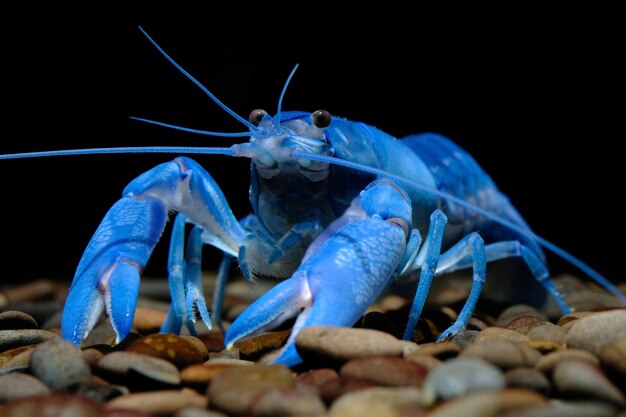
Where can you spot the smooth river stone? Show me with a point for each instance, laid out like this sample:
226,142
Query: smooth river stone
14,320
166,402
234,390
503,353
459,376
388,371
580,379
594,331
15,385
345,343
59,364
13,338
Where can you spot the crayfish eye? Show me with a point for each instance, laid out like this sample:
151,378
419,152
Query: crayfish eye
256,116
321,119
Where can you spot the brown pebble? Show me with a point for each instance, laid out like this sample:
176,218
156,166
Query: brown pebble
544,346
392,302
317,377
443,350
593,332
176,349
523,324
255,347
547,362
580,379
548,331
228,361
15,385
527,378
499,333
336,388
391,396
159,402
503,353
387,371
53,405
344,343
198,412
92,356
281,402
613,356
18,356
148,320
14,320
427,361
32,291
214,341
489,403
516,311
576,315
201,374
250,382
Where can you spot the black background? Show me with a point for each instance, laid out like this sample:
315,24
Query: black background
533,95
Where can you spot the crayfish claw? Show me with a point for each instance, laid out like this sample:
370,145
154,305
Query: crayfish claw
121,289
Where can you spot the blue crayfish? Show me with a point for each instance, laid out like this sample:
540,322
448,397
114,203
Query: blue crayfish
340,210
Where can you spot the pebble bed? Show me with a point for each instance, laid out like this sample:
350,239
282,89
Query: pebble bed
512,361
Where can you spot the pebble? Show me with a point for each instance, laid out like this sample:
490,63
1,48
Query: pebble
503,353
61,405
528,378
544,346
234,390
386,371
489,404
198,412
558,408
459,376
179,350
465,338
548,331
14,320
162,402
254,348
148,320
336,388
516,311
547,362
443,350
594,331
344,343
18,356
397,396
14,338
119,365
31,291
199,375
59,364
213,341
17,385
317,378
280,402
580,379
613,356
491,333
524,324
427,361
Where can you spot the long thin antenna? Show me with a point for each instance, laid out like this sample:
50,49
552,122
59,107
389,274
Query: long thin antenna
282,95
198,84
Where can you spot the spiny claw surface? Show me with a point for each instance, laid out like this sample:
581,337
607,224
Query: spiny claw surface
334,286
108,273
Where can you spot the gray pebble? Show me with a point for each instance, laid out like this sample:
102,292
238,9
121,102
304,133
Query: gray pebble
580,379
14,320
593,332
121,364
460,376
547,362
59,364
14,338
464,338
17,385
